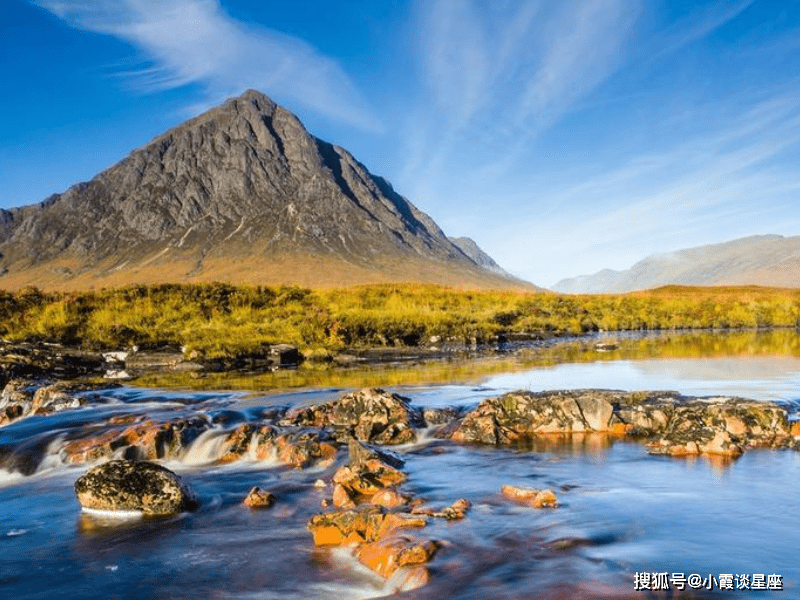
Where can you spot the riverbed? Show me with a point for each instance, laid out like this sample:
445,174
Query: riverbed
623,513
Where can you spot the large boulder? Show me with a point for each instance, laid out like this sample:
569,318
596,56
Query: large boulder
369,415
124,485
518,416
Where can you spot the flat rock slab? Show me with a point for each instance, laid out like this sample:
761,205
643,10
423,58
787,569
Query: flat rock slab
124,485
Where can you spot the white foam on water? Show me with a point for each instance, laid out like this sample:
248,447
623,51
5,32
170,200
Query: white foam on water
16,532
113,514
8,478
206,449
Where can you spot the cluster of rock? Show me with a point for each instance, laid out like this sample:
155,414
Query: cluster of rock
668,422
24,398
367,508
32,364
373,517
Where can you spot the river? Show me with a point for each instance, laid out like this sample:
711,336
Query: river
623,513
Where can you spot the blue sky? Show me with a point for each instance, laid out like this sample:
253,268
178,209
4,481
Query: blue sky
564,137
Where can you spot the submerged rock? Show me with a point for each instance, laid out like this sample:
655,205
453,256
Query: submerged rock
369,415
530,496
258,498
124,485
455,512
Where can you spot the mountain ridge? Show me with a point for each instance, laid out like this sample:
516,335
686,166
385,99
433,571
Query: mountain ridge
767,260
240,193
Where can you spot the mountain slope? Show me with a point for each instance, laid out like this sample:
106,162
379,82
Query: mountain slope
474,252
242,193
769,260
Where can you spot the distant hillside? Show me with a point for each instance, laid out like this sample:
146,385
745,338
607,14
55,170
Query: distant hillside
244,194
471,249
768,260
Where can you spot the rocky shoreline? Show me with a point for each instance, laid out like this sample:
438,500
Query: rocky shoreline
366,507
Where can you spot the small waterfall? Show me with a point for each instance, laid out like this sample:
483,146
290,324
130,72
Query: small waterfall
206,449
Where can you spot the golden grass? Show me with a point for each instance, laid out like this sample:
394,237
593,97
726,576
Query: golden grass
223,320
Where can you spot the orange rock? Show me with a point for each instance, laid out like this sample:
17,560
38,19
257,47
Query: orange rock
258,498
621,428
795,429
388,498
530,496
341,528
387,555
341,499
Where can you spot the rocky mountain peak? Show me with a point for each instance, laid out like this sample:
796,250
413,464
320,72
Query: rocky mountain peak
243,185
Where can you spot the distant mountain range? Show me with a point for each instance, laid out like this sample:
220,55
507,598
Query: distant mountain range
242,193
767,260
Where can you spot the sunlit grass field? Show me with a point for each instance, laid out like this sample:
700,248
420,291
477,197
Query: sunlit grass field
218,319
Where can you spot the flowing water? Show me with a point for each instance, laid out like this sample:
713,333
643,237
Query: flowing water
623,512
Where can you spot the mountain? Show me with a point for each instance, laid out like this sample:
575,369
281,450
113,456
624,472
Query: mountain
242,193
478,256
768,260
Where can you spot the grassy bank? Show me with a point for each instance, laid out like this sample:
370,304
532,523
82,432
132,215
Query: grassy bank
221,319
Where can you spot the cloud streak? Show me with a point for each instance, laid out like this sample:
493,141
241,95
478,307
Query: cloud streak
186,42
710,188
497,75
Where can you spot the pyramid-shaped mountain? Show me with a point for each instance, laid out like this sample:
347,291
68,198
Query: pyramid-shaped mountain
242,193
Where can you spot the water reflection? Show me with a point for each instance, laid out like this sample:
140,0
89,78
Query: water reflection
519,358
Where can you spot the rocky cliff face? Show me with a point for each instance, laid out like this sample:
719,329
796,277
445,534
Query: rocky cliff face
240,193
769,260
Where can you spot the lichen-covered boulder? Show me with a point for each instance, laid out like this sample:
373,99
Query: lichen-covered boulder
369,415
125,485
721,426
518,416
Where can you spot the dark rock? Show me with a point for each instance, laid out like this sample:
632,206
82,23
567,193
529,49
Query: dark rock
123,485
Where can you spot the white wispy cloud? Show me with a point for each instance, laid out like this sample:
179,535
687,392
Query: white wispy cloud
498,74
196,42
714,186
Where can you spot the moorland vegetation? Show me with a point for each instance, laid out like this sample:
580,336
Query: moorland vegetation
218,319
